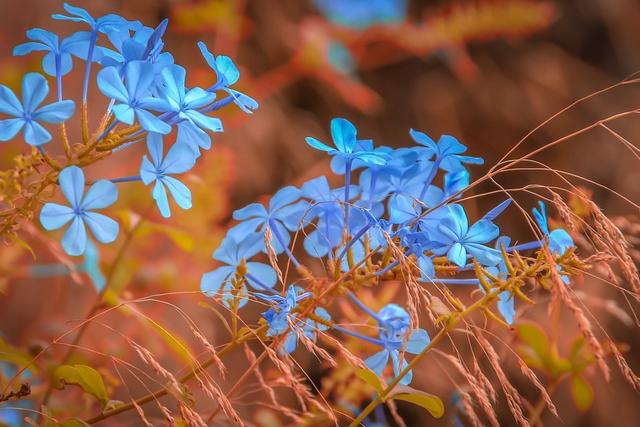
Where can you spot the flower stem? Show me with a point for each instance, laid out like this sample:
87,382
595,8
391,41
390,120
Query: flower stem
126,179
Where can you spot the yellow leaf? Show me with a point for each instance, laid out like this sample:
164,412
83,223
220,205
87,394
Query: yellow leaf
84,376
431,403
582,392
370,378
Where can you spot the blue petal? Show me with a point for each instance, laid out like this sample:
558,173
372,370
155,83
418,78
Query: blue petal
318,145
34,89
9,128
212,124
151,123
104,229
35,134
74,240
418,340
378,361
155,145
9,103
159,194
263,272
395,357
57,112
124,113
197,98
111,85
250,211
181,194
506,306
343,133
193,137
228,69
560,241
54,216
27,48
482,231
284,196
148,172
290,342
211,281
179,159
71,181
101,194
457,254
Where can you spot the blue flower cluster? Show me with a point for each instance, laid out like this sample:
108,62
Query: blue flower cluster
146,93
404,199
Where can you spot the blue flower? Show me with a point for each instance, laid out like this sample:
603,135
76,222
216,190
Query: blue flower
104,24
235,253
559,239
57,61
27,114
184,104
178,160
227,74
283,215
393,325
343,133
327,209
145,45
448,151
406,189
281,319
101,194
133,98
454,237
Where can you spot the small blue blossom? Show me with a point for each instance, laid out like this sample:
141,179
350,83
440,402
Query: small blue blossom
393,325
447,151
101,194
227,74
133,96
235,253
281,319
407,198
343,133
179,159
57,61
559,239
28,113
284,214
184,104
506,300
104,24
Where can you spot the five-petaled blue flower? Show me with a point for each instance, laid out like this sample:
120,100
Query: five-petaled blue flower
178,160
281,318
132,96
227,74
448,151
393,325
101,194
57,61
344,133
454,237
559,240
282,215
235,253
28,113
185,105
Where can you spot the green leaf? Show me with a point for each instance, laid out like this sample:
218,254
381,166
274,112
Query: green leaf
370,378
431,403
582,392
84,376
9,353
534,337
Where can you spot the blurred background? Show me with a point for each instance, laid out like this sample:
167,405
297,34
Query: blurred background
486,72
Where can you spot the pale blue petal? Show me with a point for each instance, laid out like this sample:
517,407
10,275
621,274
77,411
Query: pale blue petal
57,112
179,159
101,194
418,340
263,272
343,133
9,128
71,181
212,124
124,113
34,89
35,134
148,172
9,103
155,145
506,306
151,123
249,211
181,194
211,281
457,254
74,240
104,229
378,361
54,216
318,145
159,194
111,85
284,196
